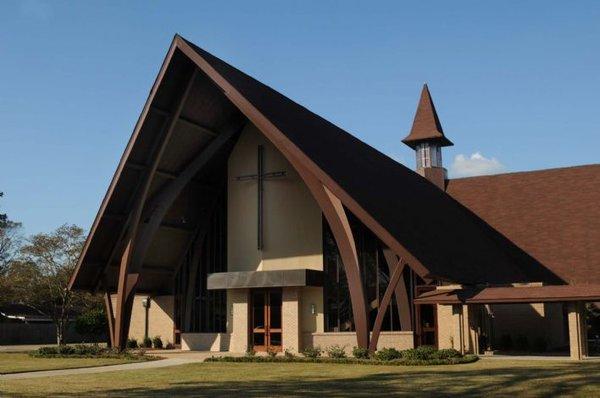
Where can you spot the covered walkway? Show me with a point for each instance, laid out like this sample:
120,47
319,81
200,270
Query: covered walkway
574,298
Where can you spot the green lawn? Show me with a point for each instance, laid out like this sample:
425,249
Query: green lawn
483,378
22,362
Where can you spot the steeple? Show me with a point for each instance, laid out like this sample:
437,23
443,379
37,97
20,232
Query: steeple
426,125
427,138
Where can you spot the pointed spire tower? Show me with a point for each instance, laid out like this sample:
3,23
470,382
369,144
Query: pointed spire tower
427,139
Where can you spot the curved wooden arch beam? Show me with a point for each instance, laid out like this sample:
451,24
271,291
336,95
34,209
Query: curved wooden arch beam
336,217
403,303
385,303
128,280
109,312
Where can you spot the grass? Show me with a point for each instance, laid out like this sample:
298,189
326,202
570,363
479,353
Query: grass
482,378
22,362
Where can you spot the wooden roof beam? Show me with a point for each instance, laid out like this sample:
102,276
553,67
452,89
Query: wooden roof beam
141,167
186,121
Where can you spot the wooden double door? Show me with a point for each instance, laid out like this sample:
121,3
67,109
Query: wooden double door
265,325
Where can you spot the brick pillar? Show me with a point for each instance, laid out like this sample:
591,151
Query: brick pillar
290,319
237,319
577,330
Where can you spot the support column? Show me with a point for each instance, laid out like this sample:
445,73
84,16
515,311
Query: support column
290,318
385,303
577,330
403,304
111,318
459,310
238,322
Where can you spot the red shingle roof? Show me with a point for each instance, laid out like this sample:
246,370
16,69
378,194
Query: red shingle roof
554,215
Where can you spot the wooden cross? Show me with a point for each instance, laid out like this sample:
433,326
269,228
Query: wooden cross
260,177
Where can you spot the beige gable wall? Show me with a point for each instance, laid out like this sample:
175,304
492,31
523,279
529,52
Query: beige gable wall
292,219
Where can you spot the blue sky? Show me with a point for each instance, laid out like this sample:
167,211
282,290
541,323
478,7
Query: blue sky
515,82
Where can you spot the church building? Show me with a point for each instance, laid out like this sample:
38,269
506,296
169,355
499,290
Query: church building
237,219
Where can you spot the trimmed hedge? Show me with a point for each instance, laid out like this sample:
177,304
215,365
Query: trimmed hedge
86,351
351,361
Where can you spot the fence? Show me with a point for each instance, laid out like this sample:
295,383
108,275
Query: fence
41,333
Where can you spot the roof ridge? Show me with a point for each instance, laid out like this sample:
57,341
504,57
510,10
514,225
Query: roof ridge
580,166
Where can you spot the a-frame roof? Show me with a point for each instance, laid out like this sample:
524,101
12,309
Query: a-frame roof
426,125
441,238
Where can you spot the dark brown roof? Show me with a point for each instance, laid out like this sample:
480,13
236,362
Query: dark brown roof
509,294
554,215
448,240
426,125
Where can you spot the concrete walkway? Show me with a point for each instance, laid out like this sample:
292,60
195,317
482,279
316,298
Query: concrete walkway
172,358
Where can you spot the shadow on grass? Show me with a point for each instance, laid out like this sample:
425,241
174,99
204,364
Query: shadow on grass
531,381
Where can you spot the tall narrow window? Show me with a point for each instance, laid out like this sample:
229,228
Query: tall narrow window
207,312
374,274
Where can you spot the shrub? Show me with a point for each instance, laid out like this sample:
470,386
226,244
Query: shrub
288,354
147,342
335,351
540,344
250,352
169,346
522,343
396,362
272,352
86,350
312,352
91,323
43,351
66,350
421,353
360,352
131,343
157,342
446,354
506,343
387,354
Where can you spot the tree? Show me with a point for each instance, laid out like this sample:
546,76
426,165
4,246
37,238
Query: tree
53,257
19,283
9,240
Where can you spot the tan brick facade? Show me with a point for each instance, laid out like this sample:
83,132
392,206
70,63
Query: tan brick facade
577,331
398,340
157,318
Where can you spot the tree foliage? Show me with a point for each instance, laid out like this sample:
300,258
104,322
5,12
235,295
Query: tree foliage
9,240
42,273
36,272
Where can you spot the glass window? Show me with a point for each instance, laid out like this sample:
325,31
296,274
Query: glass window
205,310
374,275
